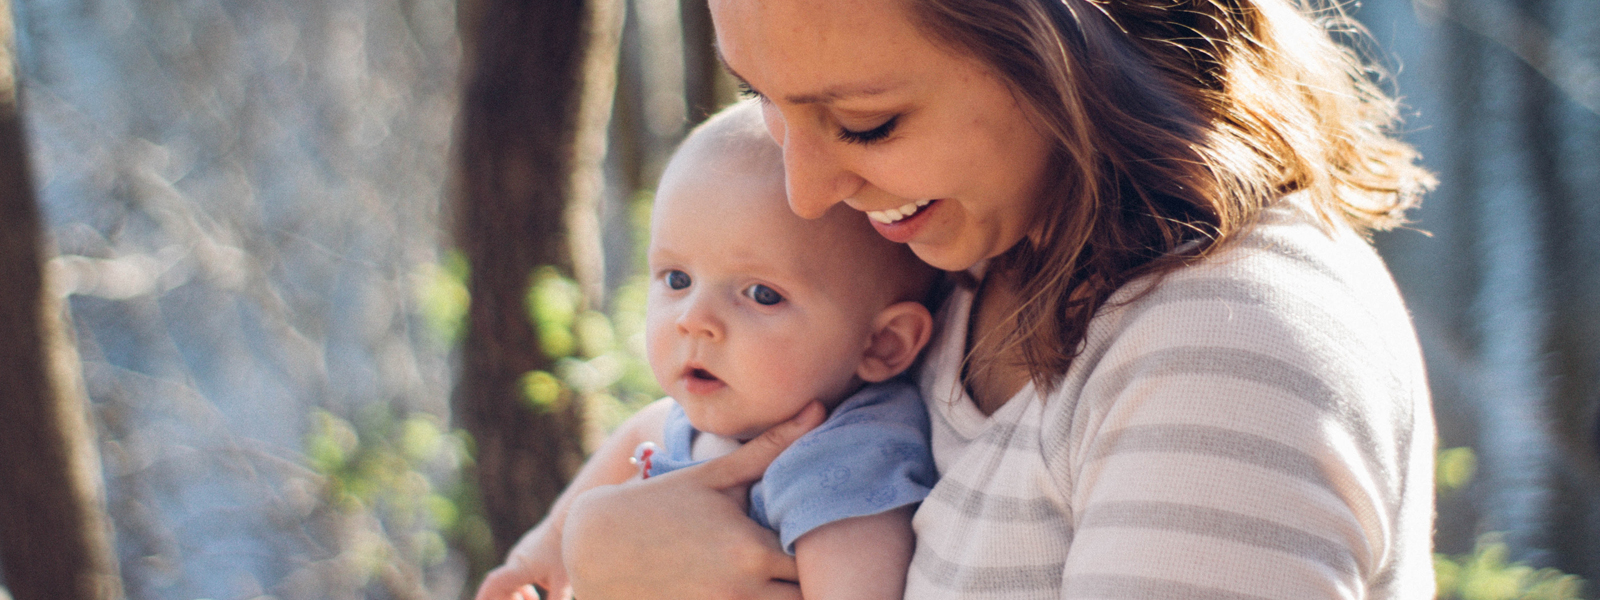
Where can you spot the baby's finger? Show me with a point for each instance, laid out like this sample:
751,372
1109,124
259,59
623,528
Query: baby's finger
747,464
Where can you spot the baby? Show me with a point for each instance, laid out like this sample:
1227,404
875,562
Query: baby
754,313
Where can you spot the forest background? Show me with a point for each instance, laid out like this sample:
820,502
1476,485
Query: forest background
335,294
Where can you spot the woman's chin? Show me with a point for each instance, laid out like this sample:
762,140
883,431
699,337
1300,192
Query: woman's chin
943,258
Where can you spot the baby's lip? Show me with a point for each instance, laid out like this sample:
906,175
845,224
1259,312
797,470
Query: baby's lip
697,380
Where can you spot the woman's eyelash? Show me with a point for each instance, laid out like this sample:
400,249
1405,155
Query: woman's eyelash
745,91
871,135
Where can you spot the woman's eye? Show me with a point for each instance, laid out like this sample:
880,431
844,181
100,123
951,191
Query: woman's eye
871,135
677,279
745,91
763,295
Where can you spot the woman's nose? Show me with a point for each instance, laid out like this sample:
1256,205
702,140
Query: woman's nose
699,319
816,178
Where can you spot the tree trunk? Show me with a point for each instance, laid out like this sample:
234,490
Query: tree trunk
701,67
532,134
55,540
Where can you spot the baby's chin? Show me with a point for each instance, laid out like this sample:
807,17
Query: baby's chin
740,435
714,424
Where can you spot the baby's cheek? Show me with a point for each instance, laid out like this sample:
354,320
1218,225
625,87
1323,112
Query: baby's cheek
658,350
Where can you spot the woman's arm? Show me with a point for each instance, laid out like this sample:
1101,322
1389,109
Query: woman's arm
684,534
861,558
536,558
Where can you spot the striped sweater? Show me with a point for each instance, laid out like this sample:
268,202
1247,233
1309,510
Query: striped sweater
1257,426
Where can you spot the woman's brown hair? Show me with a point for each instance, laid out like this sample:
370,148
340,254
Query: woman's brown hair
1177,122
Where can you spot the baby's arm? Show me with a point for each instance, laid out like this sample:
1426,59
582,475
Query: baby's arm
857,558
536,558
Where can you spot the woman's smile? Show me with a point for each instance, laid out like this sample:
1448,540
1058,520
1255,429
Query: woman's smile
901,224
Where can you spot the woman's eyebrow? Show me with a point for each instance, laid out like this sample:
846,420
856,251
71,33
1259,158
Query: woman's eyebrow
831,93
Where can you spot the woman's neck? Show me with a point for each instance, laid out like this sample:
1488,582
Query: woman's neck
993,377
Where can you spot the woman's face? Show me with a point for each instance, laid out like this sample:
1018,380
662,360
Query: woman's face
931,145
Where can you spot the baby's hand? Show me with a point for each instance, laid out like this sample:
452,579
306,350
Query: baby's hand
534,560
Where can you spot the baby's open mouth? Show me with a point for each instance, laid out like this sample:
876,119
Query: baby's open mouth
699,381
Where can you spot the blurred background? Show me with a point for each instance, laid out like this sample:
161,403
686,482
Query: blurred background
284,239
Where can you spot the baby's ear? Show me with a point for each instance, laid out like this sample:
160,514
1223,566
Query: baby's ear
898,333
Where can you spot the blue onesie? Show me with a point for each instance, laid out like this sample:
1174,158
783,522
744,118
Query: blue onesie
870,456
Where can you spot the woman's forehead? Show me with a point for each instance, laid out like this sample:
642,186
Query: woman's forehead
825,49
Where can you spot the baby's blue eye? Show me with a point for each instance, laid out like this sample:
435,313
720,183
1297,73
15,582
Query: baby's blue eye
677,279
763,295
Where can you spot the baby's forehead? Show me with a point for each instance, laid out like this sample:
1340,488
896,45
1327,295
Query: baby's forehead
757,225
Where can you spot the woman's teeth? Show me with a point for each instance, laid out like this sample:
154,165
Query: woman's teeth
895,214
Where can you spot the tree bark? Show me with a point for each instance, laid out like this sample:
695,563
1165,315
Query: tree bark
701,67
55,540
539,84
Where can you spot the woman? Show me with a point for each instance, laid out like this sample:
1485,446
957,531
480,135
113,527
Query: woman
1176,370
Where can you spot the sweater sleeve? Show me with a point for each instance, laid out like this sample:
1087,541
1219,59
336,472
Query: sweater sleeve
1259,429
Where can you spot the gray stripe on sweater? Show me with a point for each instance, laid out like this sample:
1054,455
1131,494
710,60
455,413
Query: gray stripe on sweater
1223,362
1129,587
985,580
973,504
1223,525
1206,440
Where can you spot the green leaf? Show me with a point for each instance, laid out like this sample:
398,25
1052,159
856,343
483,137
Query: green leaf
1455,468
540,390
442,298
420,438
552,303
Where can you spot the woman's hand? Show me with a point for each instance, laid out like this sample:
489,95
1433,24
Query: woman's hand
536,559
684,534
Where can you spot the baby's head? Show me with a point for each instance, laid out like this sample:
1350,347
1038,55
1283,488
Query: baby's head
753,311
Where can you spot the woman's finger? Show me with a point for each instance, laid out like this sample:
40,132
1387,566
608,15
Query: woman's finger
747,464
780,565
669,537
780,590
503,583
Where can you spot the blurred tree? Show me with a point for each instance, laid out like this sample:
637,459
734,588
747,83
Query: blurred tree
55,540
1504,290
537,98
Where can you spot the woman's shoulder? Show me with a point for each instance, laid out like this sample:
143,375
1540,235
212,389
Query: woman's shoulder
1293,299
1290,269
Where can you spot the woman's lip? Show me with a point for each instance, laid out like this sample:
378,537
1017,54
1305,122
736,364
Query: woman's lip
903,230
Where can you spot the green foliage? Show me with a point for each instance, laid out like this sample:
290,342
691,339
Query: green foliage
540,390
1454,469
552,302
386,466
615,380
1486,573
440,291
599,357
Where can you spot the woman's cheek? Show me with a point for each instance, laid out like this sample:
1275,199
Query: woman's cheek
917,174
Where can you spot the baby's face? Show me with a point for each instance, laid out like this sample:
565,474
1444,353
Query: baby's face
753,312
